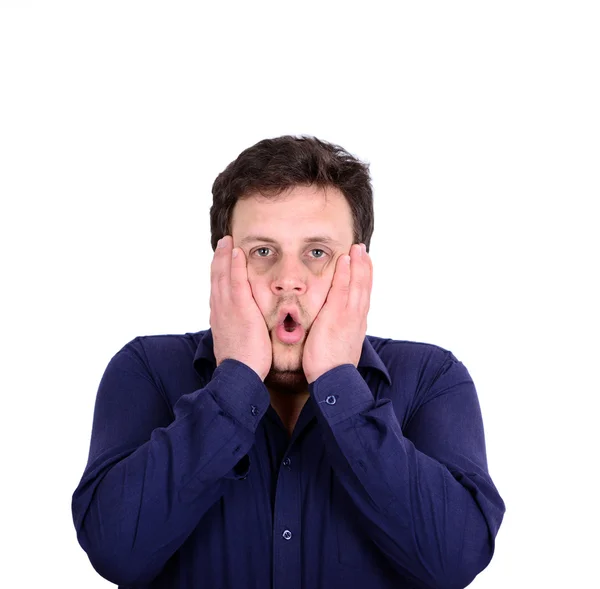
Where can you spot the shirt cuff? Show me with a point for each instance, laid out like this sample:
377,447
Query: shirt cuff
341,393
240,392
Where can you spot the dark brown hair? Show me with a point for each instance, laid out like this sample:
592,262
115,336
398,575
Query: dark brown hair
274,165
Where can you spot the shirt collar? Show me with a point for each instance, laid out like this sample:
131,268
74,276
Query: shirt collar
369,358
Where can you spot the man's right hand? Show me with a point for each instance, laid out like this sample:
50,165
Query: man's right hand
238,327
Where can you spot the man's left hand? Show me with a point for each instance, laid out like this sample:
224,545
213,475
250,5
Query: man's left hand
337,334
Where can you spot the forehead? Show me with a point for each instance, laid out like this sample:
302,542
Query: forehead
296,213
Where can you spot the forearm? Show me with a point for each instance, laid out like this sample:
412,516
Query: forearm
433,522
135,507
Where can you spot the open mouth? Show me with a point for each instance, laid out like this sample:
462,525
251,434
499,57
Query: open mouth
289,324
288,331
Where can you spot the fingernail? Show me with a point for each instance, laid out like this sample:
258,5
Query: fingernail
221,242
234,252
360,250
364,248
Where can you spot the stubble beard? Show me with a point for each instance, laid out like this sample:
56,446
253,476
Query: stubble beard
289,380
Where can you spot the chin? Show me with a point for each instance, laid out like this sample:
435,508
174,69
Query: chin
286,374
288,359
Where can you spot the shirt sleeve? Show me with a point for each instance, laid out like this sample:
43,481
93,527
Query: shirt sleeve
153,471
423,495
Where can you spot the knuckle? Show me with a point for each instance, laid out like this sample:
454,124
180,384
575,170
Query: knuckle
236,284
222,278
359,280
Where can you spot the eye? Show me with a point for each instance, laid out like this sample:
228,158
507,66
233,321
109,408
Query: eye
262,249
263,252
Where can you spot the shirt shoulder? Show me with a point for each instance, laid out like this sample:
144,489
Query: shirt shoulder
173,344
168,361
419,371
398,355
163,349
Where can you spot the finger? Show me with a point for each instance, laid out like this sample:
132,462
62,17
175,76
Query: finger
240,287
369,289
340,285
220,269
359,279
368,264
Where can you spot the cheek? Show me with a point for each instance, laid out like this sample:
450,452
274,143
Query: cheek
316,296
261,293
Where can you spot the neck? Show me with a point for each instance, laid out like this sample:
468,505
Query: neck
288,406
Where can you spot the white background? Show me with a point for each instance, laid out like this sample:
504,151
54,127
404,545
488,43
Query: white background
481,124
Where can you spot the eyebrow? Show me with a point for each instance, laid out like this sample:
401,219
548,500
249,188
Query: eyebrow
312,239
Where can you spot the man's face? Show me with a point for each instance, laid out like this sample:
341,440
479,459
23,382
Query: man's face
292,243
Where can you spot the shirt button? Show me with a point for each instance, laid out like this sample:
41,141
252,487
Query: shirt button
330,400
287,462
254,410
287,534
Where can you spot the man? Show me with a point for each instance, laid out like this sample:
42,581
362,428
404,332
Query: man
284,447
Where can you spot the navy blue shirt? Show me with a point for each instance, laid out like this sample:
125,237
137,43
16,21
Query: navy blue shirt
193,481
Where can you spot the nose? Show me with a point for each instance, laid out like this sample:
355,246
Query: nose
288,277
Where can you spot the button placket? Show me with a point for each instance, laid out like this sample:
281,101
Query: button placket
287,518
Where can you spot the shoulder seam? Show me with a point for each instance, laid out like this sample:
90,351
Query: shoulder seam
143,358
392,341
